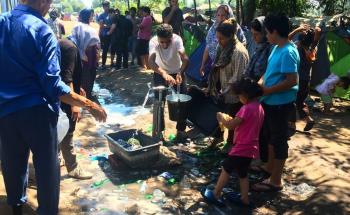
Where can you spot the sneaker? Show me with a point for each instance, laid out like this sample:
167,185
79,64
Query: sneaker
80,174
181,137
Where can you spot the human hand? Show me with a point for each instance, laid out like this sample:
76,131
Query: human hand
98,112
220,117
178,78
202,71
82,92
303,28
76,115
317,29
169,79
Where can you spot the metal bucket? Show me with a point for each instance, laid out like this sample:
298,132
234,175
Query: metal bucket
178,105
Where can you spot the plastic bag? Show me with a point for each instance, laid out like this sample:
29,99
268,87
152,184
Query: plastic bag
62,126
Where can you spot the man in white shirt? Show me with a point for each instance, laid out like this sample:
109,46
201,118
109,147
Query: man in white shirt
168,60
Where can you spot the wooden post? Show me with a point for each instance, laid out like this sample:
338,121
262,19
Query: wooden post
195,10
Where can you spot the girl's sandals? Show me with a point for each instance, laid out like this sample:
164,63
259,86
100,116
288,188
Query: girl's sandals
235,198
209,196
266,186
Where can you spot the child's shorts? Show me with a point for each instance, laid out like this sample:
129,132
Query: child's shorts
238,164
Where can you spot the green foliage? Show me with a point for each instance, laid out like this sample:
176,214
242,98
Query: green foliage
332,7
290,7
70,6
96,4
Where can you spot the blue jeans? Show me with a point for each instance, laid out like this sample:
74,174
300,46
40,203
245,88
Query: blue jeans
32,129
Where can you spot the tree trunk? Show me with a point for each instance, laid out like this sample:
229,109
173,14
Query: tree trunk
249,11
237,11
263,6
343,5
241,10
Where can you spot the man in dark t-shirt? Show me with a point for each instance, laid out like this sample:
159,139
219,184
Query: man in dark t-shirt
121,30
71,71
173,16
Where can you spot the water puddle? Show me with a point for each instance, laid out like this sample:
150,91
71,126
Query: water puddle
118,113
300,191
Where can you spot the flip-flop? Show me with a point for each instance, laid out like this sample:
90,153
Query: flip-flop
235,198
209,196
268,187
309,125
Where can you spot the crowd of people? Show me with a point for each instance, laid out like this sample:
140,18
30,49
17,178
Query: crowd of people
135,27
258,93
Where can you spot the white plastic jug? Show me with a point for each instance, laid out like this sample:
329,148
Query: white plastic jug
62,126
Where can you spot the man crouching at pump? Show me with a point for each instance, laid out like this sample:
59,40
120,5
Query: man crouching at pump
168,60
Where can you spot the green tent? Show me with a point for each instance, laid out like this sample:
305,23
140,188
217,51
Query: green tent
339,57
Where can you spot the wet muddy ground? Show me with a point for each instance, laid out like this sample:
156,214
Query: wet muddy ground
316,176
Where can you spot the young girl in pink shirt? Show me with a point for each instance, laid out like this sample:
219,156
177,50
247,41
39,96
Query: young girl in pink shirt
247,124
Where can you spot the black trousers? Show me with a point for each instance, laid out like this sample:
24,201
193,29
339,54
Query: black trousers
158,80
303,92
66,145
275,130
87,80
105,44
121,50
31,129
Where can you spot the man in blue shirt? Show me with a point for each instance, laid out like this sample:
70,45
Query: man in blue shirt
30,94
280,83
105,21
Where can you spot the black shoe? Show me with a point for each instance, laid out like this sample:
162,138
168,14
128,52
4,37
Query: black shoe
309,125
17,210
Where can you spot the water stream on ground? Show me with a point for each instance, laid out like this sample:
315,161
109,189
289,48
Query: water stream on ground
117,111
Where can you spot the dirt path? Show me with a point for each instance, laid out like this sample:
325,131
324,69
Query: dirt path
317,173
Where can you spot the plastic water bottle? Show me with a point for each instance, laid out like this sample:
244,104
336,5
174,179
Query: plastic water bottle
158,196
62,126
143,187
